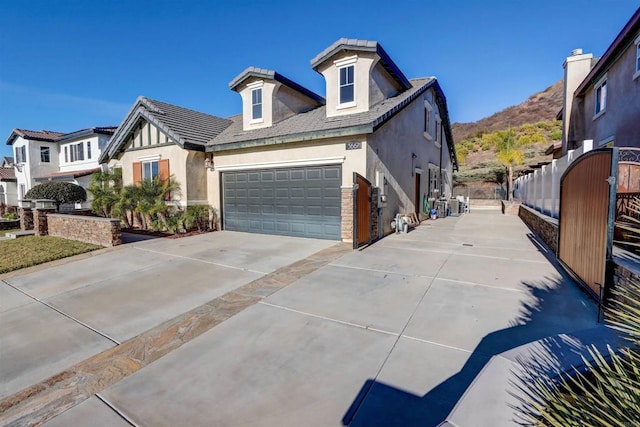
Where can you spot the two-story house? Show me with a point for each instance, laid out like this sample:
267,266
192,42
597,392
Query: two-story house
8,188
297,163
46,155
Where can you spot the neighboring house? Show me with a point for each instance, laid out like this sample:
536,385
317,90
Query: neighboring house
295,164
41,156
157,139
603,95
8,187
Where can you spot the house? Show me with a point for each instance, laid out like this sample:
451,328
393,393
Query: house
157,139
603,95
297,163
44,155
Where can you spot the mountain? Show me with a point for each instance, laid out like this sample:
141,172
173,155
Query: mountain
542,106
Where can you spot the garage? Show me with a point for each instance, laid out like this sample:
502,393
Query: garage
301,202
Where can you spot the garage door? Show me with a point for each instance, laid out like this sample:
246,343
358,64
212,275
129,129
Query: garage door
303,202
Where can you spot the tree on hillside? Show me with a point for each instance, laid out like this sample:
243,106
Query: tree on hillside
60,192
105,187
507,153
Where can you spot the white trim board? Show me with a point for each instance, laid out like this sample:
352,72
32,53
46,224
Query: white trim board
282,164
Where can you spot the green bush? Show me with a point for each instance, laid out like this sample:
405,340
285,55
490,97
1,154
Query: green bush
10,215
556,135
60,192
196,217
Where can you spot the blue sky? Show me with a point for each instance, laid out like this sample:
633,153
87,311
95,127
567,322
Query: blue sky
68,65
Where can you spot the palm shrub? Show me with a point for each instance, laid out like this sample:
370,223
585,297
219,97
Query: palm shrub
608,392
197,217
105,187
58,191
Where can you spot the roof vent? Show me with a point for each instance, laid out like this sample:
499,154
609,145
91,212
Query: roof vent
576,52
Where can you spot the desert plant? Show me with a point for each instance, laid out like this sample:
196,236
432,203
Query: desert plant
608,393
105,187
58,191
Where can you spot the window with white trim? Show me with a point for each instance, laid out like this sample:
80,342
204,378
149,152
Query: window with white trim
21,154
88,149
149,170
637,43
45,155
601,97
347,84
438,131
77,152
427,119
66,154
256,104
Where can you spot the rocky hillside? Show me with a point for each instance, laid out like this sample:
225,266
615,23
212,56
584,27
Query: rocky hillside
542,106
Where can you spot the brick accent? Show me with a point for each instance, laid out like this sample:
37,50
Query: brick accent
347,214
99,231
26,219
40,225
375,191
544,226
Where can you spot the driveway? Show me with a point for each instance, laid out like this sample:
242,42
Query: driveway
390,335
56,317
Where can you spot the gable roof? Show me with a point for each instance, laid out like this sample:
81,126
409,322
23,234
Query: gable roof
315,124
6,161
263,73
620,43
51,136
189,129
7,174
363,46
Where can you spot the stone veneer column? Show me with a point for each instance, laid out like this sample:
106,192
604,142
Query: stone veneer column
40,221
374,213
347,214
26,219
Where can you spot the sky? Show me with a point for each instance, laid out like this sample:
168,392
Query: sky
66,65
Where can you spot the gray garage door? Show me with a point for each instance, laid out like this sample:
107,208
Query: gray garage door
303,202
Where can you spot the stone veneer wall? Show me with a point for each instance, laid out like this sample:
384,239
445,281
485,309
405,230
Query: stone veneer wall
40,223
375,191
544,226
510,208
9,224
99,231
346,223
623,276
26,219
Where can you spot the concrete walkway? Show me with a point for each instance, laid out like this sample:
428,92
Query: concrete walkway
390,335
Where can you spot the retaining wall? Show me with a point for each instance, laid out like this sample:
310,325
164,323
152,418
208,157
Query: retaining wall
99,231
543,226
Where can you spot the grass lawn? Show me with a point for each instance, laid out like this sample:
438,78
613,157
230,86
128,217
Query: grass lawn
4,232
28,251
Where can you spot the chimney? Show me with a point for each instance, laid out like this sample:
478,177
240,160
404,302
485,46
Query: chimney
576,67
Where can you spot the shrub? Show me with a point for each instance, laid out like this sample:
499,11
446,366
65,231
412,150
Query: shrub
196,217
9,215
60,192
556,135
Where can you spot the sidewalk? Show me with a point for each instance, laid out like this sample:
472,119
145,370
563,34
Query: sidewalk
390,335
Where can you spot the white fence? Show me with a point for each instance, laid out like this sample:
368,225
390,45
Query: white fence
540,189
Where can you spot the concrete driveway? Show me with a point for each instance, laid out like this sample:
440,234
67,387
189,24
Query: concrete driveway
391,335
56,317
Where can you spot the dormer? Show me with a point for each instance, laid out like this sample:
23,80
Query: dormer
269,97
358,75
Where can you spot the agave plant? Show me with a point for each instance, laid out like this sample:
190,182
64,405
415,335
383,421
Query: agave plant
608,392
629,225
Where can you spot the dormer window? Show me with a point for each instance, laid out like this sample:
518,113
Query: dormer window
347,84
256,104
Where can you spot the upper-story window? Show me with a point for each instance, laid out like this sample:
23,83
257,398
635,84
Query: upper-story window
438,131
637,43
347,84
77,152
601,97
149,170
88,149
256,104
427,119
21,154
45,155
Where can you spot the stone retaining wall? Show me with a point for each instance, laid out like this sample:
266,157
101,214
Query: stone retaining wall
543,226
347,214
9,224
99,231
623,276
510,208
40,223
26,219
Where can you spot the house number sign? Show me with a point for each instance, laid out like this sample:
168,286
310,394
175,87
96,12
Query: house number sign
354,145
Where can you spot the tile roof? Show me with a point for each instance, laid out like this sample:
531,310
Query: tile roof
51,136
6,160
39,135
316,121
190,129
7,174
263,73
68,174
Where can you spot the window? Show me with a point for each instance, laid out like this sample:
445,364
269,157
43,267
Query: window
438,132
66,154
637,43
149,170
347,84
44,155
77,152
601,97
88,149
21,154
427,119
256,104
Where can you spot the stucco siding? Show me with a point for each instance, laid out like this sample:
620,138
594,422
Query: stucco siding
381,85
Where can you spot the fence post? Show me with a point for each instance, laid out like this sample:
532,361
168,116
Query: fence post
535,190
554,188
543,187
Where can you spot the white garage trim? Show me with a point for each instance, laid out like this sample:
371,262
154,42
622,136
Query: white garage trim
285,163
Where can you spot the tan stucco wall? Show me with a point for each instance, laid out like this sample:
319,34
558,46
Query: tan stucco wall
619,123
327,151
390,151
186,166
381,85
576,68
